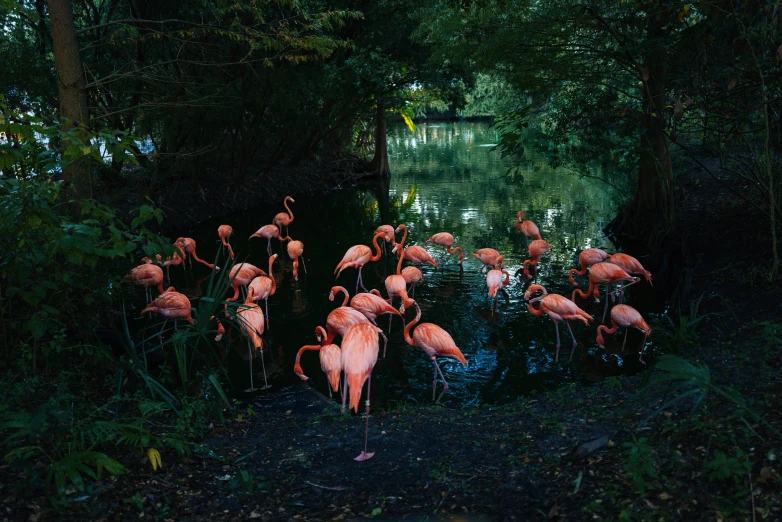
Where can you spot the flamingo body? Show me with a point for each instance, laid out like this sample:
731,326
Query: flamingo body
188,246
295,250
527,227
224,232
171,305
559,308
146,275
630,265
587,258
489,257
626,317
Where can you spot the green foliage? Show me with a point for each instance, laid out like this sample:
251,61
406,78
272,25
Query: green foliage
682,333
722,467
512,130
640,462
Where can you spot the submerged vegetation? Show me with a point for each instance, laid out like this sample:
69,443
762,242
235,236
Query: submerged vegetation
115,114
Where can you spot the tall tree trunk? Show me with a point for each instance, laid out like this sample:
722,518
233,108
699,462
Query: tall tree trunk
71,86
379,163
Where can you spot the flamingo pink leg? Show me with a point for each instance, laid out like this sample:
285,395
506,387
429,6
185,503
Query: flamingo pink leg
556,326
574,340
364,455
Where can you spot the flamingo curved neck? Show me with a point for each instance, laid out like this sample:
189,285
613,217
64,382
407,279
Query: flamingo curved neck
507,278
290,212
271,276
376,255
347,296
409,327
401,258
533,310
401,244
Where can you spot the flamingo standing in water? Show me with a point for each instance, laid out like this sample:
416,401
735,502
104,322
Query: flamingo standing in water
330,362
536,249
396,286
225,231
240,275
188,246
146,275
630,265
495,283
586,258
264,287
528,227
284,218
412,276
489,257
446,240
371,304
356,257
174,260
607,274
559,308
627,317
388,235
435,342
269,232
414,254
171,305
359,355
250,318
295,250
342,318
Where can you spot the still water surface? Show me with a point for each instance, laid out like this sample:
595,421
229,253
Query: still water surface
445,178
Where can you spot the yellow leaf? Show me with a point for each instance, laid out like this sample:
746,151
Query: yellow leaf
408,122
154,459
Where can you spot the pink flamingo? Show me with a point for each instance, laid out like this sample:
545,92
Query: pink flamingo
489,257
146,275
371,304
295,250
269,232
412,276
495,283
357,256
559,308
630,265
607,274
264,287
330,362
435,342
342,318
225,231
388,235
188,246
240,275
284,218
446,240
536,249
174,260
250,318
586,258
396,286
627,317
414,254
359,355
528,227
171,305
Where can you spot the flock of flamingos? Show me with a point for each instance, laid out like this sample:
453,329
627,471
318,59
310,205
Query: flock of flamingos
355,321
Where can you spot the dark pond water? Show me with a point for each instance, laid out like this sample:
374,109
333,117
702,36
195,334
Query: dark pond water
445,178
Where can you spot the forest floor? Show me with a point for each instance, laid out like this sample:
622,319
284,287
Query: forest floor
609,450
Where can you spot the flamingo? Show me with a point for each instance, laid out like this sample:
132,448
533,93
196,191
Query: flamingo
630,265
559,308
188,246
146,275
269,232
528,227
330,362
412,276
241,275
489,257
446,240
627,317
171,305
495,283
536,249
342,318
250,318
359,355
174,260
295,250
414,254
371,304
357,256
586,258
264,287
225,231
435,342
388,235
396,286
607,274
282,218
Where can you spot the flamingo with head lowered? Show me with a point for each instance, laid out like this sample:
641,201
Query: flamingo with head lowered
446,240
225,231
357,256
586,258
414,254
284,218
342,318
559,308
627,317
371,304
536,249
269,232
489,257
264,287
607,274
528,227
188,246
330,361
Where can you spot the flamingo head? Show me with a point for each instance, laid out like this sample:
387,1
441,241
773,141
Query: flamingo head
400,228
532,289
288,198
520,214
396,247
407,303
599,340
320,333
